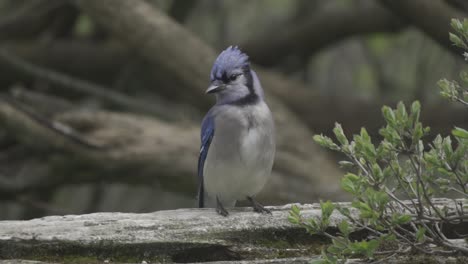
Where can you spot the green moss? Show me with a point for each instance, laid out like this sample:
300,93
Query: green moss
264,244
75,252
430,259
274,243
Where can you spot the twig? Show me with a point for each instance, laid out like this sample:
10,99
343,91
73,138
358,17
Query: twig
46,103
78,85
54,126
462,101
27,13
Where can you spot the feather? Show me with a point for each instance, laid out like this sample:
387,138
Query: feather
228,60
207,133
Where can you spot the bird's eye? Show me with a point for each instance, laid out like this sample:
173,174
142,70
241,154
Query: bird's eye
234,77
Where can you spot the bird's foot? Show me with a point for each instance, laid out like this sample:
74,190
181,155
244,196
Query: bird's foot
258,207
220,208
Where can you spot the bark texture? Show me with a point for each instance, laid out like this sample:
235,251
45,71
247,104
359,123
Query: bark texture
139,150
184,235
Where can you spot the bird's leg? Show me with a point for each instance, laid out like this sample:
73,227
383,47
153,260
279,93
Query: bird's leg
258,207
220,208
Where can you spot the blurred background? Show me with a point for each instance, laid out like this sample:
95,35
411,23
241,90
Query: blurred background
101,101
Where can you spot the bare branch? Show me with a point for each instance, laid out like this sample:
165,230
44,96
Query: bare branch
103,93
138,150
432,17
181,9
58,135
29,19
321,30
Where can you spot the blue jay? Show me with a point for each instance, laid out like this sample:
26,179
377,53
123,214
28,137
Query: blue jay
237,136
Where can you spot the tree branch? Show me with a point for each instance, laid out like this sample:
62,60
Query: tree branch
92,61
181,9
100,92
432,17
29,19
137,150
323,29
99,62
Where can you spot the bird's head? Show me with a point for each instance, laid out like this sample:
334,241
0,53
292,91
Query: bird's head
231,78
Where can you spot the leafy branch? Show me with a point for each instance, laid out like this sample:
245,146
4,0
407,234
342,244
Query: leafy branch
381,176
394,183
452,90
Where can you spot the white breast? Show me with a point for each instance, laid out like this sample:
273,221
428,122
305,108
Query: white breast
241,154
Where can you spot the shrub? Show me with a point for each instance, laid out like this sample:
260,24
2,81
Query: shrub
393,182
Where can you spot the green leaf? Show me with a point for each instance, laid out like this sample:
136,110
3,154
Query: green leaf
365,146
438,141
365,210
390,134
326,259
389,116
401,114
447,146
339,134
344,211
295,209
464,76
401,219
420,235
460,154
334,250
325,142
465,25
457,41
416,109
387,172
388,237
444,171
449,89
295,215
313,227
340,243
327,209
377,172
364,135
417,133
366,248
460,133
456,24
350,183
346,164
343,226
372,247
293,220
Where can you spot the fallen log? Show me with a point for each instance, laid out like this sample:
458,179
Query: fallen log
184,235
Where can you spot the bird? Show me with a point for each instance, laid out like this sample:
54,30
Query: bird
237,136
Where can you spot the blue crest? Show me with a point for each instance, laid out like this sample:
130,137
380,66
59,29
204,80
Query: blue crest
230,59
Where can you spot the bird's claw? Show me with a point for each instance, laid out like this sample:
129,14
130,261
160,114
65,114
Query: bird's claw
220,208
258,207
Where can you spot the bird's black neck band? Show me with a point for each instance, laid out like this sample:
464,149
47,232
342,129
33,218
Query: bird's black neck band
252,97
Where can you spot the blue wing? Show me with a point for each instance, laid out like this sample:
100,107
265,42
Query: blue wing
207,133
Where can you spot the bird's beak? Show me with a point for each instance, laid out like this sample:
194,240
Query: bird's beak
215,87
